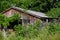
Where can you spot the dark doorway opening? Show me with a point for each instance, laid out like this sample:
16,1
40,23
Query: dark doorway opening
12,24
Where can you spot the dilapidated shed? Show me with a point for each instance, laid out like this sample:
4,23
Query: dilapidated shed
28,16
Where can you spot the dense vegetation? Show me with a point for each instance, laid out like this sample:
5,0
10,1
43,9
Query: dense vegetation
36,33
50,31
38,5
55,13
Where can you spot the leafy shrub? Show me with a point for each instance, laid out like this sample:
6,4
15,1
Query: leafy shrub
55,13
27,31
20,30
51,31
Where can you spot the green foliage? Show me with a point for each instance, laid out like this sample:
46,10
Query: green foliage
54,27
55,13
27,31
51,31
3,20
38,5
1,36
16,16
19,30
3,5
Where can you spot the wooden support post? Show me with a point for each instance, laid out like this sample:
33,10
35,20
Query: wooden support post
4,33
46,20
22,22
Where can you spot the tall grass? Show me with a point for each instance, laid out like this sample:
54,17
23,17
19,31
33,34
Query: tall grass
1,36
51,31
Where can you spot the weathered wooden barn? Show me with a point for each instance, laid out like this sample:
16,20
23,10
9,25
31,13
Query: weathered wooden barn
27,16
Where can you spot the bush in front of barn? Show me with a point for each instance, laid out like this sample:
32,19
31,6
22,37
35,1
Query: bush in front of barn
50,31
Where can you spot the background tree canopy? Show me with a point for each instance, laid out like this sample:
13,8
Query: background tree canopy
37,5
55,13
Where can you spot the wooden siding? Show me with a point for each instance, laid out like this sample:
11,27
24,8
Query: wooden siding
23,15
